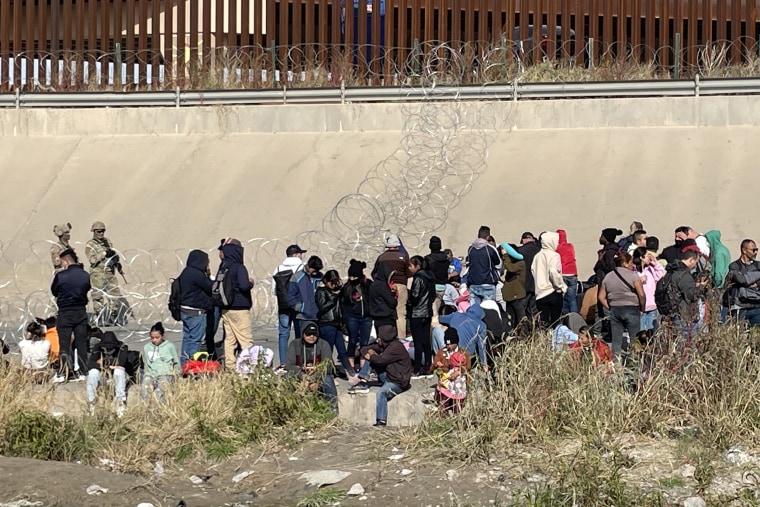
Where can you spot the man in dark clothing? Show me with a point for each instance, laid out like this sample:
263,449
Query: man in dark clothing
382,299
303,360
195,300
484,268
70,287
743,295
683,292
237,317
605,264
398,262
438,263
302,288
391,360
529,248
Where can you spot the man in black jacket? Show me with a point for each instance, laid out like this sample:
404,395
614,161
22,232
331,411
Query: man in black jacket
439,266
484,268
382,299
109,356
529,248
743,295
236,318
195,300
391,360
70,287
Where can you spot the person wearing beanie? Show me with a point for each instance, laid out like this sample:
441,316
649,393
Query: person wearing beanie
310,361
393,365
355,307
450,346
63,233
438,264
397,263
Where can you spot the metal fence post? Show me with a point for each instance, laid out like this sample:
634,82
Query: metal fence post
677,56
273,49
117,77
415,52
590,51
503,57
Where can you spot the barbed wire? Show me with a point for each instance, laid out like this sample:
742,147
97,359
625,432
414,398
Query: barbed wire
315,65
441,153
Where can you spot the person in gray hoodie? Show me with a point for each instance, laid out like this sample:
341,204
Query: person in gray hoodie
310,360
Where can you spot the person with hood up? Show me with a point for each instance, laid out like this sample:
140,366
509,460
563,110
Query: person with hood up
515,278
484,267
438,264
382,298
720,258
195,301
355,309
550,287
391,361
109,356
303,360
420,311
396,260
471,331
237,317
566,253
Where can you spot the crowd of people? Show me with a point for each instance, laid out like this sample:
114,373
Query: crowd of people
411,316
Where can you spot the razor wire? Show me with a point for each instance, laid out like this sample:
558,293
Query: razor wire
311,65
441,153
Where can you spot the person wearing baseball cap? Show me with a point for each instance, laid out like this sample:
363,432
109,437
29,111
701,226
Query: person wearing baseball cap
286,316
63,233
310,360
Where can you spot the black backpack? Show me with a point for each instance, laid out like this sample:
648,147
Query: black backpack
174,295
665,296
281,281
221,290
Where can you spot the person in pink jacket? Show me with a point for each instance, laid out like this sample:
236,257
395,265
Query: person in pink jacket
650,271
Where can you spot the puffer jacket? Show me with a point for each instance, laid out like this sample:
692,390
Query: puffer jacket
328,308
421,296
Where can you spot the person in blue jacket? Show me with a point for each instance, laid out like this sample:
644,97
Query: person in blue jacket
471,330
302,289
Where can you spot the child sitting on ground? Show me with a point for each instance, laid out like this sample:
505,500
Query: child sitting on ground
452,385
35,351
588,344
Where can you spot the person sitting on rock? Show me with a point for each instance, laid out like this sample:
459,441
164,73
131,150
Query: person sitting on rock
35,351
109,356
391,360
310,358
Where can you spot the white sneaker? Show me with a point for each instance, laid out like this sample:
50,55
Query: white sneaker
79,378
58,379
91,408
120,407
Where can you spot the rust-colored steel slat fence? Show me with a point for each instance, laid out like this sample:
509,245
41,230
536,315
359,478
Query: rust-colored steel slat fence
163,44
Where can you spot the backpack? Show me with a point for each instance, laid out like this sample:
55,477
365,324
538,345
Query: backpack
174,295
664,297
222,291
281,280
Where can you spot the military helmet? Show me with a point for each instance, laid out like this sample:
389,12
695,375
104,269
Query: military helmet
97,226
61,229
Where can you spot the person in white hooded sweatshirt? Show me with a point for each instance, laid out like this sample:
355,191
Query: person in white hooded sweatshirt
550,287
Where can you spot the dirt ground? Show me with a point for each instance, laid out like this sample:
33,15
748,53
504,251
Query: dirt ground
388,472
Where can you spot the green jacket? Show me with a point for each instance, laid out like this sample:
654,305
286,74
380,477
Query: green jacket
720,258
160,360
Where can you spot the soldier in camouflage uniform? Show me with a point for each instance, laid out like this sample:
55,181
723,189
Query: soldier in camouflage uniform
106,296
63,233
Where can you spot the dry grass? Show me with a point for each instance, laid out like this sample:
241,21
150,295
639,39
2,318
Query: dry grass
208,418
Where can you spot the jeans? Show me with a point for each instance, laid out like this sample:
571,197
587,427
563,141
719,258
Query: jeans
650,320
359,331
422,346
156,384
550,309
329,392
570,299
623,318
119,380
387,392
72,321
284,319
480,293
193,331
438,341
334,338
751,315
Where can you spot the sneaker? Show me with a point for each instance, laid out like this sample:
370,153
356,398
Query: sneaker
120,407
58,379
79,378
380,424
360,388
91,408
280,370
428,398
